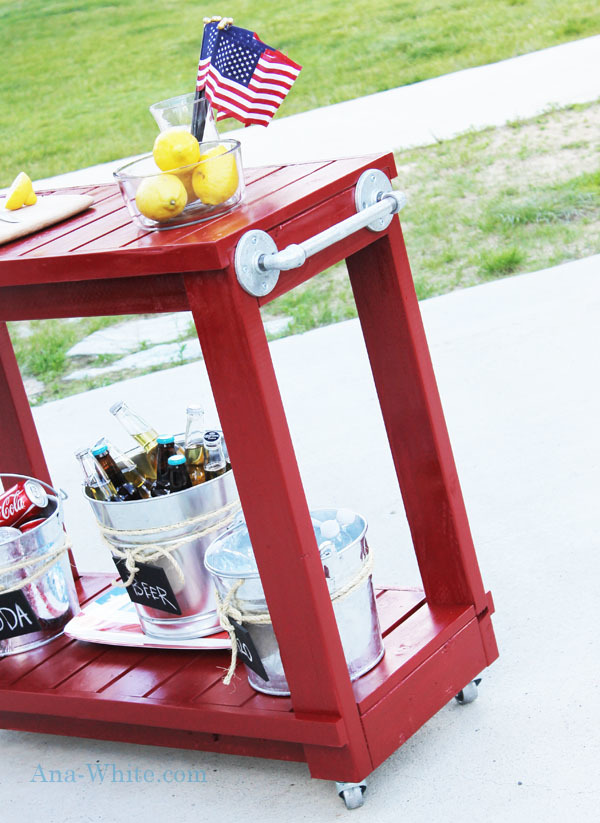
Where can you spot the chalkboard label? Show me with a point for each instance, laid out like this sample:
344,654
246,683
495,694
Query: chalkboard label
150,587
16,616
247,650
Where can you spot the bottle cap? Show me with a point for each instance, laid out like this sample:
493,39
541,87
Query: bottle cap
165,438
98,451
116,406
194,410
212,438
330,529
176,460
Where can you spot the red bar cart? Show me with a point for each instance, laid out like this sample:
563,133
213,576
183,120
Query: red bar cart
437,640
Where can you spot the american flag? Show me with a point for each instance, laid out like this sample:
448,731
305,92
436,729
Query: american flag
243,77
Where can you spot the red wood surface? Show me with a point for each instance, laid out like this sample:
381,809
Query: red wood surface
178,698
103,243
99,263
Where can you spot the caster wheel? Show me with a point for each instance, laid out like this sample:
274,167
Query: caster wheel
469,693
352,794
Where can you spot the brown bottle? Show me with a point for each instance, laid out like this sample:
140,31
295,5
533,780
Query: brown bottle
179,478
124,489
129,470
165,448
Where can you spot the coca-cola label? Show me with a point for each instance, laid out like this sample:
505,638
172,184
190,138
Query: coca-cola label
11,503
20,500
16,616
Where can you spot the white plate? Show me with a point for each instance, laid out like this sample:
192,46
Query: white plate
111,618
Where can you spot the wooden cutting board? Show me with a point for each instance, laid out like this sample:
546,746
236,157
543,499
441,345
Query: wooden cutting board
49,209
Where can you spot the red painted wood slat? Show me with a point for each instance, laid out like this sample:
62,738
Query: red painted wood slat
149,735
425,691
407,646
396,605
155,668
114,663
91,298
325,729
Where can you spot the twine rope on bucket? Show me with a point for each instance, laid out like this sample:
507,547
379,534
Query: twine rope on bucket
45,561
228,609
151,552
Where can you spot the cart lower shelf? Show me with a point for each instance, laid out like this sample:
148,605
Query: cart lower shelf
176,698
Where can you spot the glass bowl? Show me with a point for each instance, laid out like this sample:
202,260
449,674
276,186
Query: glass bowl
190,194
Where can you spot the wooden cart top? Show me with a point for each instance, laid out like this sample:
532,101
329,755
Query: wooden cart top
104,243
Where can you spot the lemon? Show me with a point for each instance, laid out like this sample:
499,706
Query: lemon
186,178
215,179
175,147
161,197
20,193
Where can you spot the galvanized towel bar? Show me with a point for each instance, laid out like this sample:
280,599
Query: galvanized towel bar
258,261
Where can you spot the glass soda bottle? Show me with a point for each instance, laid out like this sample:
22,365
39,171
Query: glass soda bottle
214,459
97,483
179,478
142,433
194,444
165,448
125,490
130,471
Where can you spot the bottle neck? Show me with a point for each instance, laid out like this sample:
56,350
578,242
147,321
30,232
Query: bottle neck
194,430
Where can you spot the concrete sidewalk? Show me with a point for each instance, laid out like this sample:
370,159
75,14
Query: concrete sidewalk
516,362
415,115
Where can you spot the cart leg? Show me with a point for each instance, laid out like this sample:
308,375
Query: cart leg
244,385
20,449
352,793
395,339
469,693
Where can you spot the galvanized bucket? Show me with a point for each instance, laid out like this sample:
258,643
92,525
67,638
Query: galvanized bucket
36,612
230,560
170,535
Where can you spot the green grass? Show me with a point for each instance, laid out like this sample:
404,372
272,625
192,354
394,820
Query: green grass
482,206
41,347
76,78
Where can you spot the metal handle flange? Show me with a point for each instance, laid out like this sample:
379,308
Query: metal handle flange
258,261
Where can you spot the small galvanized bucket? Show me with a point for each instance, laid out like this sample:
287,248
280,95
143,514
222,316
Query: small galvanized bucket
37,592
165,539
230,560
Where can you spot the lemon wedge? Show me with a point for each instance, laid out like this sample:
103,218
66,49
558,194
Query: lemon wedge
20,193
